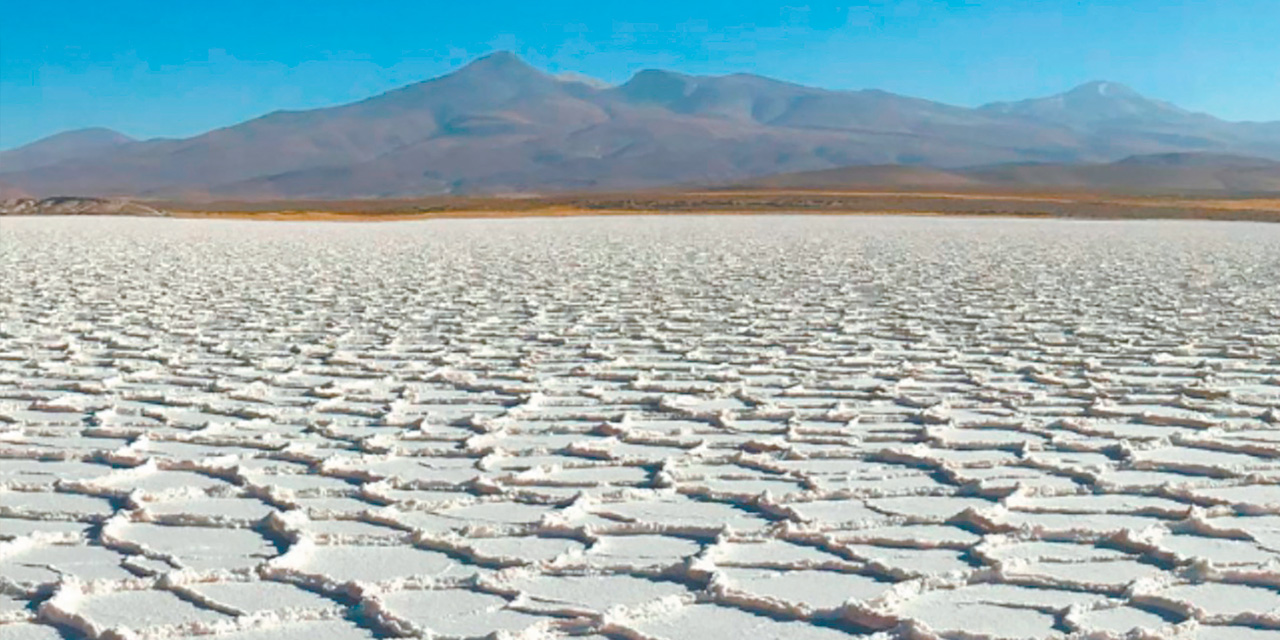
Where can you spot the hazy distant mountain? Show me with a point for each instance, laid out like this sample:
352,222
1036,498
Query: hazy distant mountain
69,145
1161,173
499,125
1112,120
10,192
1210,160
1097,103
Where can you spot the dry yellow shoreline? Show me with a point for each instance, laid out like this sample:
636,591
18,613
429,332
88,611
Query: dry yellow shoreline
949,202
336,216
747,202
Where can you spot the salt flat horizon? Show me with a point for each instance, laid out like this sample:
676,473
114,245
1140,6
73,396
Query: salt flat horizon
1061,202
640,427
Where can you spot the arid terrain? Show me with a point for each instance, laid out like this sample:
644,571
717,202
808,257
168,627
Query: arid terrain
641,427
962,201
1065,204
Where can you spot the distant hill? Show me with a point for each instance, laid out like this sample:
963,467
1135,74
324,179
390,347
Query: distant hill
10,192
862,177
1097,103
1159,173
499,125
1115,121
74,205
69,145
1213,160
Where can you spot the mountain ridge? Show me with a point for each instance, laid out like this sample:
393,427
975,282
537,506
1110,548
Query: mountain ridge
76,143
500,125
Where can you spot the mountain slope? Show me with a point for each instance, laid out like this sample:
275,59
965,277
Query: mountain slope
1096,102
1113,120
69,145
862,177
1162,173
500,125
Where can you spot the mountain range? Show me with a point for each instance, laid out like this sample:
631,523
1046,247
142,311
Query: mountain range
499,125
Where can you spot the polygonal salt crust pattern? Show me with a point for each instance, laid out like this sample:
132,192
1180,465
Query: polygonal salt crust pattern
703,427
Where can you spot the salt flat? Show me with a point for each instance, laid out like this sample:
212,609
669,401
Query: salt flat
650,427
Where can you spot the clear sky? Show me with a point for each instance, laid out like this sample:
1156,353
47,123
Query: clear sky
177,68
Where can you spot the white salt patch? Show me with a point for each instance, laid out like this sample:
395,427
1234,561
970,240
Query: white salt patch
34,565
309,630
1235,633
53,505
265,597
701,621
143,610
640,551
811,589
770,553
1121,621
376,564
595,593
522,549
1222,601
206,510
25,631
768,412
456,613
200,548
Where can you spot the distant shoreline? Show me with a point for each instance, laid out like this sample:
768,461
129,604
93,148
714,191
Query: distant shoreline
1011,203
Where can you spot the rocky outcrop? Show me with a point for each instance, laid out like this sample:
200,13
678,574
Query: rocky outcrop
76,206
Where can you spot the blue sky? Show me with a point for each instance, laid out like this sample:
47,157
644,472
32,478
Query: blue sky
180,68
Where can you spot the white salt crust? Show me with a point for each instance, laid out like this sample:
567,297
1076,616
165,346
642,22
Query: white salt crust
640,428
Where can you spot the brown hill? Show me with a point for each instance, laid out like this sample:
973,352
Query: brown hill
1156,174
1163,173
74,205
863,177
